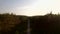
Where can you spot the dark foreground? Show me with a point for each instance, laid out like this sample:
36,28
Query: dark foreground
17,24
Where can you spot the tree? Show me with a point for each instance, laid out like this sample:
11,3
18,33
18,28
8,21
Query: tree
7,22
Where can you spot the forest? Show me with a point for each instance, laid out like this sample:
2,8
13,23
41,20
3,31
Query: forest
18,24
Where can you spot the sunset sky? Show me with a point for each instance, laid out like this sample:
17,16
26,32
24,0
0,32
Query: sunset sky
30,7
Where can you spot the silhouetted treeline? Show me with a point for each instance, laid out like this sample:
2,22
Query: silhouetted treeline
47,24
17,24
12,24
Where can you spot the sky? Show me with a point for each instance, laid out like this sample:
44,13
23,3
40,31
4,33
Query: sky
30,7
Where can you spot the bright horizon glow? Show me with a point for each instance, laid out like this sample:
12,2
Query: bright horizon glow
41,7
31,7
